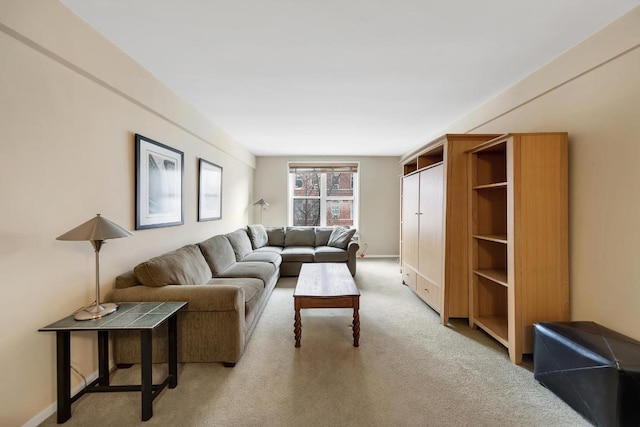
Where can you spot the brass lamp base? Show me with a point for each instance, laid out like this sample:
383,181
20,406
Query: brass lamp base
95,311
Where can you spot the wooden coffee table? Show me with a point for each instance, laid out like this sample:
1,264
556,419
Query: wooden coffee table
326,285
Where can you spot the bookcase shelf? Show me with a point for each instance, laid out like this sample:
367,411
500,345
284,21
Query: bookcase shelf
497,238
496,326
495,275
491,186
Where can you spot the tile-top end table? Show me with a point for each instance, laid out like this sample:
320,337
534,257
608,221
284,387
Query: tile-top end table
130,316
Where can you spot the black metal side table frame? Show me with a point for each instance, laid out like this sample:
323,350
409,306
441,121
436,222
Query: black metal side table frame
144,317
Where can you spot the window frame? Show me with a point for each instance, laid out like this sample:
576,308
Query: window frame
325,176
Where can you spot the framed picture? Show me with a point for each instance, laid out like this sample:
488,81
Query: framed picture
159,171
209,191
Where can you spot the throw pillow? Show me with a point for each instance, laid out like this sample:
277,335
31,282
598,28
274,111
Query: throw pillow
258,235
340,237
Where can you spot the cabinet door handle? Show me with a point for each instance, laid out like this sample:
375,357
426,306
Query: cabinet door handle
427,290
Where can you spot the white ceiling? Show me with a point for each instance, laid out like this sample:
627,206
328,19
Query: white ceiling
342,77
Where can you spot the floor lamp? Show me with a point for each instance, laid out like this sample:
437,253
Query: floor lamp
263,206
96,230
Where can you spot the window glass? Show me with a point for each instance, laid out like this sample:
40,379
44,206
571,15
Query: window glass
309,184
306,212
322,197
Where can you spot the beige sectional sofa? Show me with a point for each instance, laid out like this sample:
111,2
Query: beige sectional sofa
226,281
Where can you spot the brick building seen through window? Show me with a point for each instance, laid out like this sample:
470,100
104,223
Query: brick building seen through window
323,195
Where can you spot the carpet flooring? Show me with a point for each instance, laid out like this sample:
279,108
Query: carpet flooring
408,371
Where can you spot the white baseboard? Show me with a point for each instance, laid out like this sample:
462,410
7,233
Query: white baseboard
380,256
51,409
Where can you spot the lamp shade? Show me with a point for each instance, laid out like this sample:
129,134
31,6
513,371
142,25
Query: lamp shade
262,203
96,229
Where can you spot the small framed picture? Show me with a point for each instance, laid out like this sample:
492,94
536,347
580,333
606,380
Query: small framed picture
159,172
209,191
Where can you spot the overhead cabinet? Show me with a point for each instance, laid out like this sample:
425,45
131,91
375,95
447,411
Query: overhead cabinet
518,236
434,239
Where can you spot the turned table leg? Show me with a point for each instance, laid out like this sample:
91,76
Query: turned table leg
356,322
297,326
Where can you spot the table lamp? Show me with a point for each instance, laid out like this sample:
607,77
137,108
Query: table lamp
96,230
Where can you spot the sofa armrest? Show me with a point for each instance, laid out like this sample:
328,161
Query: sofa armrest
352,250
127,280
198,297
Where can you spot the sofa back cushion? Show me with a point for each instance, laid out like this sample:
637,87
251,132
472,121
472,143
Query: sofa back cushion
340,237
276,236
184,266
322,235
240,242
258,236
300,236
218,253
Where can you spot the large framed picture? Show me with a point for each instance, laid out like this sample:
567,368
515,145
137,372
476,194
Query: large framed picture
209,191
159,172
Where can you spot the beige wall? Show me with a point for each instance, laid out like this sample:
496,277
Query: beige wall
69,106
592,92
379,197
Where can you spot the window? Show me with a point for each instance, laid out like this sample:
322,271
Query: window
323,194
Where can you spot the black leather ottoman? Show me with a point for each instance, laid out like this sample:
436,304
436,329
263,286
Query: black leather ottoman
593,369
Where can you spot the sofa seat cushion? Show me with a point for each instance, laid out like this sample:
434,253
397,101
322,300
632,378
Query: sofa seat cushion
240,242
276,249
258,270
298,254
218,253
184,266
300,236
264,256
330,254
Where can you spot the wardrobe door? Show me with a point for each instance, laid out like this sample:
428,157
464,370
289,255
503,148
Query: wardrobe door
431,244
410,210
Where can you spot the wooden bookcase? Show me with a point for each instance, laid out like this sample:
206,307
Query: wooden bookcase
433,226
518,236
